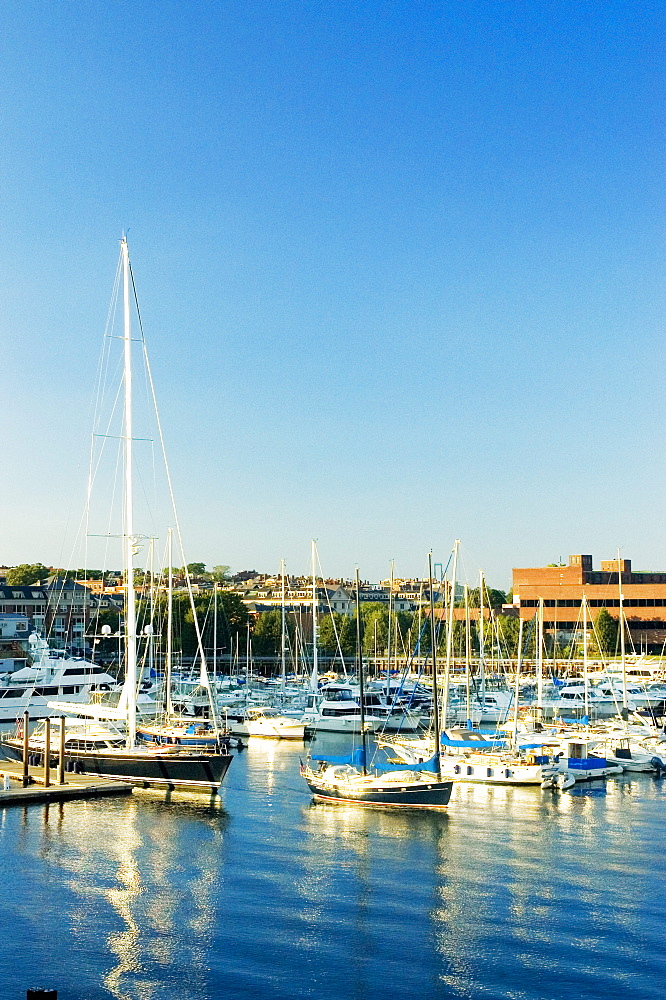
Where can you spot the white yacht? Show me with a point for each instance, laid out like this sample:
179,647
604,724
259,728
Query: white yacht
266,722
53,675
470,756
338,710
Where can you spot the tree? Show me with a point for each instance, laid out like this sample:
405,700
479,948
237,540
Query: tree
605,633
220,573
267,633
328,627
26,574
348,635
374,616
491,598
232,618
508,628
196,569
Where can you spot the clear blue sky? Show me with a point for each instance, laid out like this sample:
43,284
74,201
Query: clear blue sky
400,266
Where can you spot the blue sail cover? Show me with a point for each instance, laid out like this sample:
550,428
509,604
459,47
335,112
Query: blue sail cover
473,744
426,765
356,759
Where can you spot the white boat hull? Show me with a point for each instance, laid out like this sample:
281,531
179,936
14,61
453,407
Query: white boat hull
268,729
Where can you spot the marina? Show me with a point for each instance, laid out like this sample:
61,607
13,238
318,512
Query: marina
332,576
510,892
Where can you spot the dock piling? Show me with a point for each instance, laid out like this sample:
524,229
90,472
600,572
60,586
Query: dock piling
26,739
61,754
47,753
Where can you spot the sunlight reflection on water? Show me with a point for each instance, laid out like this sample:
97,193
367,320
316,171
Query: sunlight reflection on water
512,893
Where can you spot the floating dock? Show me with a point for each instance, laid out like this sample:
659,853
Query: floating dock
76,786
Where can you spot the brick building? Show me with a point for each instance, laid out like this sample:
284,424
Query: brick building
562,587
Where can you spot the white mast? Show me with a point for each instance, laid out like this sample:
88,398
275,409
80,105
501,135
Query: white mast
390,626
449,636
622,645
468,666
482,643
149,631
315,662
129,540
283,631
169,642
516,692
540,660
215,633
585,681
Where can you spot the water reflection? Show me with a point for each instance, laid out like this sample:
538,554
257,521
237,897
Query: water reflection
157,869
282,897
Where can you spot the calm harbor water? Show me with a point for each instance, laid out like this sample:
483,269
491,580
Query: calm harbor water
512,893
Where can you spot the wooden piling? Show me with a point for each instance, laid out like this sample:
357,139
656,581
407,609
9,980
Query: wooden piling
47,753
26,747
61,754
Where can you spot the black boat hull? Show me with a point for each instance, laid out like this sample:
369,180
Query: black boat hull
423,795
147,769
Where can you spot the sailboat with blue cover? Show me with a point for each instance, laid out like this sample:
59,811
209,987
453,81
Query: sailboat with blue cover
350,781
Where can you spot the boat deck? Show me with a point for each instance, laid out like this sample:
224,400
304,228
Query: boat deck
77,786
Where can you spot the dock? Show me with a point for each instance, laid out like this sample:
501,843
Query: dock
76,786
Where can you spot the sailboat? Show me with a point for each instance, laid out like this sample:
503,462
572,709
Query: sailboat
92,744
348,780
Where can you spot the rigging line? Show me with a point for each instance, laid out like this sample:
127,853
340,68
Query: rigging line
94,406
204,668
330,609
103,363
93,469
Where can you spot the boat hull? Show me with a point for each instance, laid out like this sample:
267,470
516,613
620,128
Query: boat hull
350,725
422,795
192,771
266,729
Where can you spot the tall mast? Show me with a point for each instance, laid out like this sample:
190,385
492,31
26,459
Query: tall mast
315,661
516,693
150,632
449,635
468,666
215,633
283,631
622,645
482,665
129,540
390,627
435,689
169,642
359,668
540,660
585,682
